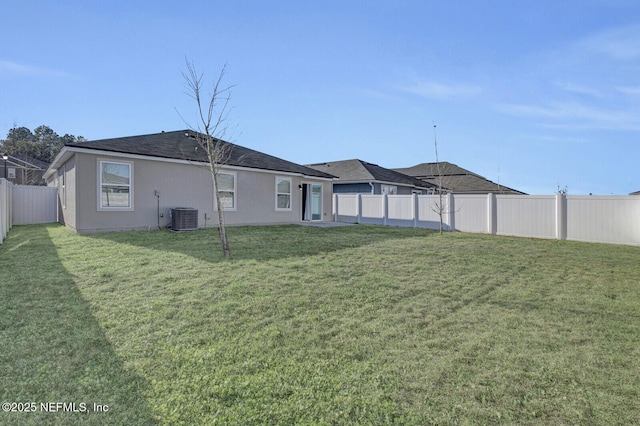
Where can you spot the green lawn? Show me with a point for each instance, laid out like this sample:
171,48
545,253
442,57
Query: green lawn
350,325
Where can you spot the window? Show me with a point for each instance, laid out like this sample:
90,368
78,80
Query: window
316,201
11,173
389,189
116,189
283,194
227,190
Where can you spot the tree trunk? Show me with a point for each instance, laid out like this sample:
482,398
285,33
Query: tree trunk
226,251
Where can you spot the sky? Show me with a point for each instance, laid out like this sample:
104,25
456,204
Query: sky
534,95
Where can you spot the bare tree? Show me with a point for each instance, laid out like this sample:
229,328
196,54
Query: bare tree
213,111
563,190
440,206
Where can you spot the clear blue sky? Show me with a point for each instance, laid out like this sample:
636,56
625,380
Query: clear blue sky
533,94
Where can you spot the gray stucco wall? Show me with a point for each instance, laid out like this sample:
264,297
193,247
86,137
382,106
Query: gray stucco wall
65,180
180,185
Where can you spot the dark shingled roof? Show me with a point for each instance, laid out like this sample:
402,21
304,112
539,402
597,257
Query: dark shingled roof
25,161
358,170
456,179
183,145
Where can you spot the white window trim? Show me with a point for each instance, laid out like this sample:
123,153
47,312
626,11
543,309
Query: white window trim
235,193
280,178
129,208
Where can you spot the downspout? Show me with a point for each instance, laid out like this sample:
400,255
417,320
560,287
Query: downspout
372,188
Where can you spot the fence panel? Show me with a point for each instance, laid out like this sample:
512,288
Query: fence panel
400,207
347,210
427,211
372,209
471,213
610,219
526,215
34,204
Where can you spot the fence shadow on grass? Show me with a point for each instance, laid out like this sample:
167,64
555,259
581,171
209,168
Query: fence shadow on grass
54,350
263,243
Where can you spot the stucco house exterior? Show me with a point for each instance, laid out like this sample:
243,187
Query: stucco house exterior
133,183
360,177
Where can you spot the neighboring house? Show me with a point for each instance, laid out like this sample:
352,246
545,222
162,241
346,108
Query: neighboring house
455,179
635,193
357,176
22,169
132,183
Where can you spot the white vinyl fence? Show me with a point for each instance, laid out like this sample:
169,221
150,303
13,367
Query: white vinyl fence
26,204
5,208
605,219
34,204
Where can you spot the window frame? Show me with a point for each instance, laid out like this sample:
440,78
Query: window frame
100,185
388,189
234,191
290,193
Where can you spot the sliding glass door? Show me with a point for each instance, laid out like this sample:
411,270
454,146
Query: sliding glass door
311,201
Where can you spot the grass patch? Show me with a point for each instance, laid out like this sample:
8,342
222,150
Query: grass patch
362,324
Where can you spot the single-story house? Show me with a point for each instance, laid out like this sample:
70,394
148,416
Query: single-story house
134,183
357,176
455,179
22,169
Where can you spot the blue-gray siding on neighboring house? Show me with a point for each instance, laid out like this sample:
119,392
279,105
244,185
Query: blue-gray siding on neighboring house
365,188
354,188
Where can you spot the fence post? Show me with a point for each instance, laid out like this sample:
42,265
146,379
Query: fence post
451,211
358,208
492,219
385,208
2,209
416,212
561,217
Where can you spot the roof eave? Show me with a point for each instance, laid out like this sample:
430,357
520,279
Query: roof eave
383,182
68,151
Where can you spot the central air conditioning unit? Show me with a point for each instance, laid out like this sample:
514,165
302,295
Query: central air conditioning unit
184,219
